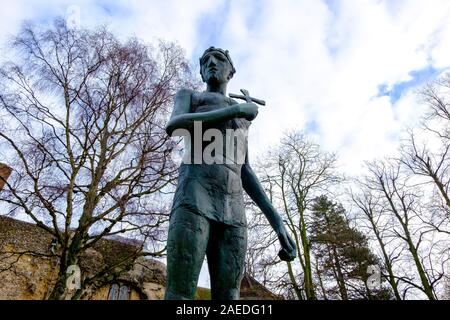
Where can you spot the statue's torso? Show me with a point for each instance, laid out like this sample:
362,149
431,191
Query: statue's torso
214,190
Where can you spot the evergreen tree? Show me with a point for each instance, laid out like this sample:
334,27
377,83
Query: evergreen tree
342,253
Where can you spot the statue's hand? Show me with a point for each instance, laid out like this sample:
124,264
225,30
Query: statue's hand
288,248
248,111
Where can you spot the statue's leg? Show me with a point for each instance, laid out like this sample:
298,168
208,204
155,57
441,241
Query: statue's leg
226,258
186,246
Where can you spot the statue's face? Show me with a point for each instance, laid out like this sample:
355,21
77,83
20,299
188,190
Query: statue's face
215,68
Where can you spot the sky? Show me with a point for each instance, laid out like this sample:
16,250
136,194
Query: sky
346,72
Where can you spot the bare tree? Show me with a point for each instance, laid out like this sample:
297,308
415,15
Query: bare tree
433,168
294,175
84,117
405,208
431,161
407,199
436,96
373,213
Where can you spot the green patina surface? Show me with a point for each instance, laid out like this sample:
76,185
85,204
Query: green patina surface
208,215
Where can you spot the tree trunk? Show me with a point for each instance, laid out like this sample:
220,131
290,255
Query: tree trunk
387,261
427,288
340,276
309,286
68,258
297,290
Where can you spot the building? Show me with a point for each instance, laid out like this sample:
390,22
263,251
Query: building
28,267
251,289
5,171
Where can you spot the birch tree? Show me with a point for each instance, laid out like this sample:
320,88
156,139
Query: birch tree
84,119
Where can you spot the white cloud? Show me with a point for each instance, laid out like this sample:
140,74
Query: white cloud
169,20
313,63
149,20
309,61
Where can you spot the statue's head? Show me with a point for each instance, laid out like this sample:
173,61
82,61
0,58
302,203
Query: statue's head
216,65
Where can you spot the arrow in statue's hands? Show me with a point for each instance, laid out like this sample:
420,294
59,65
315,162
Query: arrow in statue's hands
247,98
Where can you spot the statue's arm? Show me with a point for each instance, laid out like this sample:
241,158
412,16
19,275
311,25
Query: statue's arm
256,192
182,118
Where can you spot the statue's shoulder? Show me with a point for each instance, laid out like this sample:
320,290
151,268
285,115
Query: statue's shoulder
183,92
194,97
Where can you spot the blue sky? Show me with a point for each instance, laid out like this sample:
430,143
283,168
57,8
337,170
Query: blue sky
418,78
345,71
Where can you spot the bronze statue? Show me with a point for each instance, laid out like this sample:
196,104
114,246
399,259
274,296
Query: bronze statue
208,215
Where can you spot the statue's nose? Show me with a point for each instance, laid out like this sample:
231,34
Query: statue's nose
211,61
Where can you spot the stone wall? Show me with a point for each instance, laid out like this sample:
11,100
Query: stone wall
28,268
25,276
